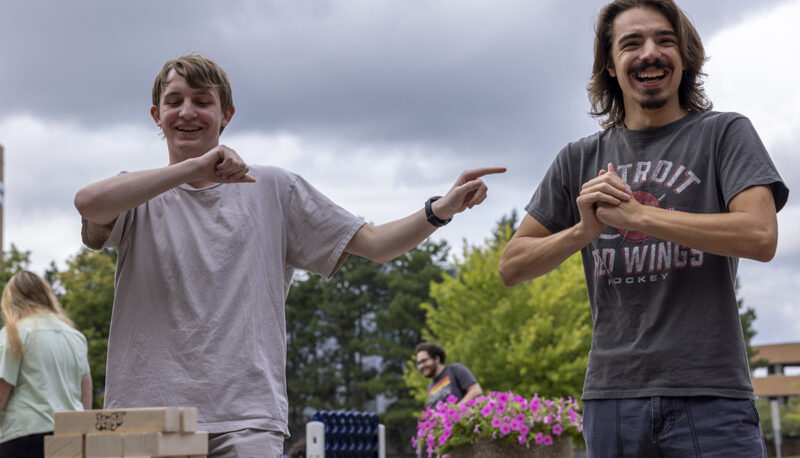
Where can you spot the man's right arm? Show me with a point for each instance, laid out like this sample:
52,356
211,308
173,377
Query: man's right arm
100,203
535,251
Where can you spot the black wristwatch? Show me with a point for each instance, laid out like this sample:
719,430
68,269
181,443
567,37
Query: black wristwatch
433,219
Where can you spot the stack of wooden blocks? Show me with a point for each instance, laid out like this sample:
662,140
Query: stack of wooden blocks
142,432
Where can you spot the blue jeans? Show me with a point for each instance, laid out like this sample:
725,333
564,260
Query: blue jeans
666,427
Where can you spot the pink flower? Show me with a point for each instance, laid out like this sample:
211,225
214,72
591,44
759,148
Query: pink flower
534,404
571,415
451,399
429,441
506,412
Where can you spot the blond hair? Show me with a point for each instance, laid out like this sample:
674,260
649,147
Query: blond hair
27,294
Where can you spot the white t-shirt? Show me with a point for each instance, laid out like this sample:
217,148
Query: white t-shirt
201,282
46,380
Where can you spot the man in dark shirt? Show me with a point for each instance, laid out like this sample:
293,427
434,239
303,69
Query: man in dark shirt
662,203
451,379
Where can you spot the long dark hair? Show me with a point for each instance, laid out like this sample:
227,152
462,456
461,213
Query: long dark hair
604,91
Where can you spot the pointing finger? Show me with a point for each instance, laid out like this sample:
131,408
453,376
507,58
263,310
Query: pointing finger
472,174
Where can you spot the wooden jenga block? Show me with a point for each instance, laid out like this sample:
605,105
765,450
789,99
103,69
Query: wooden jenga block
150,419
165,444
70,446
188,419
103,445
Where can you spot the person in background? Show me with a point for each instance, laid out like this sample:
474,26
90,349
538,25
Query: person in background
447,379
44,366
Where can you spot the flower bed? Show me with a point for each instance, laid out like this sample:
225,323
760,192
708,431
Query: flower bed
503,417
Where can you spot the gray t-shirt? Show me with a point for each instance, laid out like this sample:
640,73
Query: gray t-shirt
666,319
201,283
454,379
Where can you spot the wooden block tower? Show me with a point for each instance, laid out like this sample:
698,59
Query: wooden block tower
140,433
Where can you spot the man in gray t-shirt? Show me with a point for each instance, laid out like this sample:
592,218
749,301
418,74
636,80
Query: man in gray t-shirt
446,379
661,204
206,250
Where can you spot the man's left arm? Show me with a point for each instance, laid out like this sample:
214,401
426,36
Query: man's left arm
385,242
748,230
473,391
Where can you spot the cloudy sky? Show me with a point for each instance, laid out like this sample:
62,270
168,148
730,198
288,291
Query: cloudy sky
379,103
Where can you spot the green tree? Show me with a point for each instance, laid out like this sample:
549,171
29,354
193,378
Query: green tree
348,337
789,416
14,260
747,316
532,338
86,290
407,283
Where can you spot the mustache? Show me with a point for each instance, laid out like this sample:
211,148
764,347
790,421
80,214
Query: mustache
644,65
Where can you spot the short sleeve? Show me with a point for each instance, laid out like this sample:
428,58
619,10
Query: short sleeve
318,229
122,226
464,377
9,365
84,357
744,162
551,204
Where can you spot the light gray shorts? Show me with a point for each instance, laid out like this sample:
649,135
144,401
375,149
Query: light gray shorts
246,443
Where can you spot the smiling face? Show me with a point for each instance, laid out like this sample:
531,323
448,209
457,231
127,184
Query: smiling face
426,365
191,118
647,65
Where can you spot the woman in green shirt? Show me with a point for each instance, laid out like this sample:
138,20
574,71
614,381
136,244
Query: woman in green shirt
43,366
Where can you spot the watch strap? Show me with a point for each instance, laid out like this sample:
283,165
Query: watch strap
433,219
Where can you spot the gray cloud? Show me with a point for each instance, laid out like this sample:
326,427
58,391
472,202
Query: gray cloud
507,74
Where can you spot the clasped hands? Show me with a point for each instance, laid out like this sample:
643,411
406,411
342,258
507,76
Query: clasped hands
606,200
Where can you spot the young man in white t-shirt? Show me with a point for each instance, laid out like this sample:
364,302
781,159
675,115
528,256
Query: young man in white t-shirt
207,246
